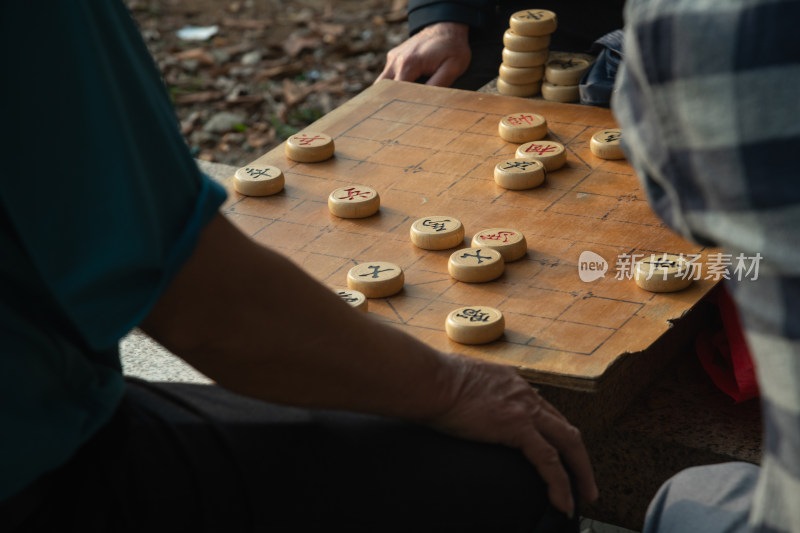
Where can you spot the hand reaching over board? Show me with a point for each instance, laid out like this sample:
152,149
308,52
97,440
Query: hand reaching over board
440,51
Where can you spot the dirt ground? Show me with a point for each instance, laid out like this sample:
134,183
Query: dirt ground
268,69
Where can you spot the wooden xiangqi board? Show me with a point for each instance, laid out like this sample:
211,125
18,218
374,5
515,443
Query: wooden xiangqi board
432,151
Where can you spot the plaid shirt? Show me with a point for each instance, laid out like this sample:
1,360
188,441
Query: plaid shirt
710,109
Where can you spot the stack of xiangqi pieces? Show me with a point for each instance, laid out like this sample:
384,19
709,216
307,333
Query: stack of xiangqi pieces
526,43
562,75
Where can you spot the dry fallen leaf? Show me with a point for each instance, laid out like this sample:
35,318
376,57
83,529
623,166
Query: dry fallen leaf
327,50
280,70
196,54
293,94
244,24
260,140
201,97
328,29
245,99
296,43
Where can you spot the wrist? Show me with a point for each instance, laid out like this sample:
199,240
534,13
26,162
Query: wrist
448,30
448,382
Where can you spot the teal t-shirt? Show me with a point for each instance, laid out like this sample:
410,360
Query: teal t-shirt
100,206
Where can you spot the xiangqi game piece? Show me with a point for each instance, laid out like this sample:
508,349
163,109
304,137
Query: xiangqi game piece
437,232
605,144
519,174
258,180
521,75
475,324
524,43
663,273
376,279
525,59
522,127
509,242
552,154
533,22
309,147
560,93
476,265
354,201
354,299
527,89
566,71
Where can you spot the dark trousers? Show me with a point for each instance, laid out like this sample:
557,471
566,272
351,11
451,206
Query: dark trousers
185,457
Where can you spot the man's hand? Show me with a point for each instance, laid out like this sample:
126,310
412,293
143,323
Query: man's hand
254,338
440,51
494,404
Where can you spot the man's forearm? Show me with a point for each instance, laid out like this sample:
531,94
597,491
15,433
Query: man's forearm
260,326
257,324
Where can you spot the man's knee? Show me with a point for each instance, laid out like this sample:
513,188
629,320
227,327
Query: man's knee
706,498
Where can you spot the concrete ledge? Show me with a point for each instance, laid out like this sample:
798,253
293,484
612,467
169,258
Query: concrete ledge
142,356
216,171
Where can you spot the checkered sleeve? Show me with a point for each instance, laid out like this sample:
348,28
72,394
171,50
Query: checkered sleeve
708,102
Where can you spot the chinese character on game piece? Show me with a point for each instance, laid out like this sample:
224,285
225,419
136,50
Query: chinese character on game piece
256,173
522,165
477,255
499,236
305,140
541,149
474,315
375,271
518,120
436,225
351,193
662,266
347,297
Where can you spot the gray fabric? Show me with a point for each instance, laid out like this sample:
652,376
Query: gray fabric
707,100
709,498
597,83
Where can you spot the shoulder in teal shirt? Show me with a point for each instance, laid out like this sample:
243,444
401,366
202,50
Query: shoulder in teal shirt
100,205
